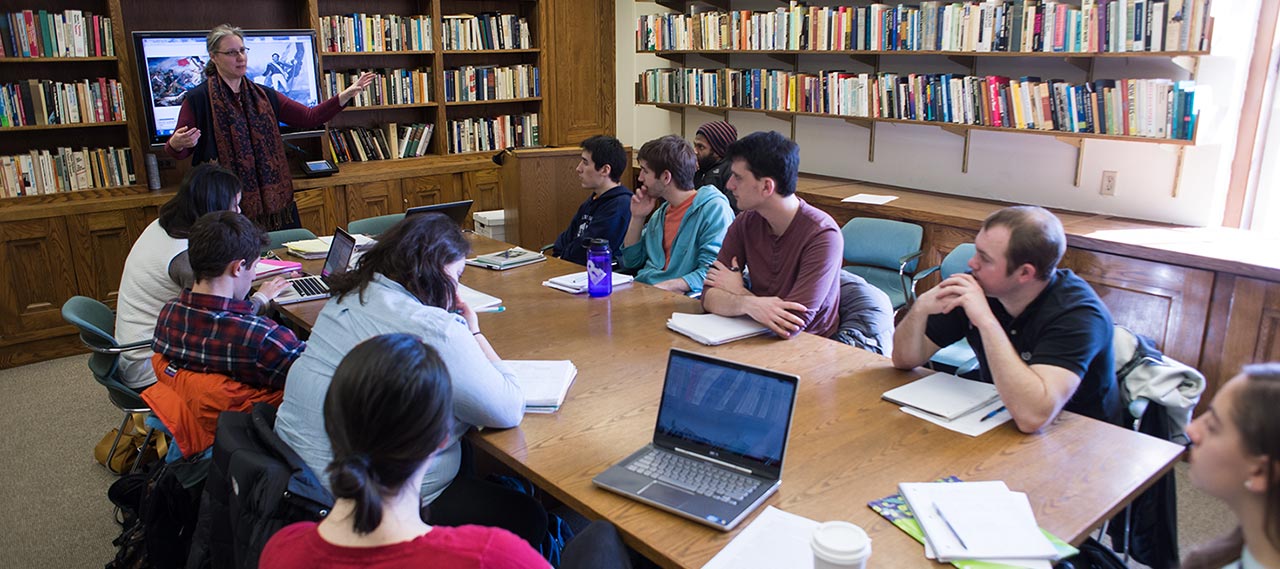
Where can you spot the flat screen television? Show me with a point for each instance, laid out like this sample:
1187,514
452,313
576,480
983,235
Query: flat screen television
171,62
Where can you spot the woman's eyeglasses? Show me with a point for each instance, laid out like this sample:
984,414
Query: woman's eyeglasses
234,52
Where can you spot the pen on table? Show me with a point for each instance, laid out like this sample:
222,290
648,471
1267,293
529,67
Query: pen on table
492,309
991,414
944,519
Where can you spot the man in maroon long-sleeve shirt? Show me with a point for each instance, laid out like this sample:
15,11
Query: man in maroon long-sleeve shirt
790,249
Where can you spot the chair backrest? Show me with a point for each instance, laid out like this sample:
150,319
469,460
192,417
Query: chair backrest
374,225
97,325
881,242
279,238
957,261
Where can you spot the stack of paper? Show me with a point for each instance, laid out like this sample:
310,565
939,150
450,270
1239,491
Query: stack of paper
576,283
962,405
478,301
271,267
712,329
511,258
977,520
319,247
545,383
774,539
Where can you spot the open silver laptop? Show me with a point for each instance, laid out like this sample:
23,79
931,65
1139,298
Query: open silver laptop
718,446
313,287
457,211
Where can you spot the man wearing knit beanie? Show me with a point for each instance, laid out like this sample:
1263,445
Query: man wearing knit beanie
711,142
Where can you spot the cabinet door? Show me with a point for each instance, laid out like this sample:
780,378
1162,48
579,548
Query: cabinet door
319,211
374,199
1167,303
1244,328
429,190
485,187
100,243
580,96
36,273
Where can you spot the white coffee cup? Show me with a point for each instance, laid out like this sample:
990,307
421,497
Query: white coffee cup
840,545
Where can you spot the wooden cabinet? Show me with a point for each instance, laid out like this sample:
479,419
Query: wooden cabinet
35,261
428,190
373,199
1244,328
582,90
319,211
100,243
485,187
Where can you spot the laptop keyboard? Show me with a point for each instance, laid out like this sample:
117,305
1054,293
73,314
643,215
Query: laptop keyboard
696,476
310,286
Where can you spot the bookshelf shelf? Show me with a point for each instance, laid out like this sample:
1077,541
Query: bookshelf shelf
984,54
56,59
488,51
368,53
491,101
61,126
388,107
953,127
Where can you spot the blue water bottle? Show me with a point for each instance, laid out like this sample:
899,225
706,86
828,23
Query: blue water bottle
599,268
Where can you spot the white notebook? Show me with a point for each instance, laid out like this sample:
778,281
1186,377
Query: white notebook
713,329
545,382
576,283
976,520
944,395
477,300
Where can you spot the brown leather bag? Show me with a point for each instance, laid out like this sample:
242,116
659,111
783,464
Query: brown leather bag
127,450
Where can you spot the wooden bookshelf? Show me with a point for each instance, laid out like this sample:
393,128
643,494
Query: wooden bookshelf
388,107
369,53
492,101
55,59
905,52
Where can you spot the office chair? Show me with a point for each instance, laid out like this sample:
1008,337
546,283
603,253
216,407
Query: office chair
885,253
279,238
374,226
958,356
97,326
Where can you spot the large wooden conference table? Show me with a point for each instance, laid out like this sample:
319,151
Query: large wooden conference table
846,448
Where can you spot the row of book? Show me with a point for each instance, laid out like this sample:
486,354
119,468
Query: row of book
360,144
490,82
392,87
65,170
41,33
483,134
45,102
490,30
374,32
1092,26
1152,108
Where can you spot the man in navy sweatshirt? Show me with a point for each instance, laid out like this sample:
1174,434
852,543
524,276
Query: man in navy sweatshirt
607,211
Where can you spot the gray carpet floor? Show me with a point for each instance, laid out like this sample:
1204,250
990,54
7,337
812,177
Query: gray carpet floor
57,513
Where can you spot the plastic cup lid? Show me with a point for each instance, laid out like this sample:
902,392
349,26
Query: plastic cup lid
840,542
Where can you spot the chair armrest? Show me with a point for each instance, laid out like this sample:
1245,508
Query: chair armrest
902,262
546,247
920,275
908,280
122,348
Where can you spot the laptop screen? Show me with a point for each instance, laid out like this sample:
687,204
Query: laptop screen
457,211
339,253
728,411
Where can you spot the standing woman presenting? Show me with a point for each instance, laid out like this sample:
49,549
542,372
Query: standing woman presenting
235,122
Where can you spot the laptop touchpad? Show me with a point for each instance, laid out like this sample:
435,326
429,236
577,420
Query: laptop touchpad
665,494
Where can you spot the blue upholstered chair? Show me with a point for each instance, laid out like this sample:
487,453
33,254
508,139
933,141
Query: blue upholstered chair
885,253
97,325
374,226
279,238
958,356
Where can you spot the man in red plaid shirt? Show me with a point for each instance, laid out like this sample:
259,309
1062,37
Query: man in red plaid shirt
210,328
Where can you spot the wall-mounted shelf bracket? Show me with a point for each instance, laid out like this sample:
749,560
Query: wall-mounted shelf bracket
1079,144
964,133
870,125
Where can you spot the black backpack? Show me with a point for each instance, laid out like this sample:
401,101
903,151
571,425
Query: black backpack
158,509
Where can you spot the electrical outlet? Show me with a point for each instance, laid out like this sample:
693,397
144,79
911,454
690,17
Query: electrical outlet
1108,187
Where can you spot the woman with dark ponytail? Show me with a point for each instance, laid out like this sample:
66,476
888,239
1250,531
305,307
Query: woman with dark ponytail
1235,457
387,412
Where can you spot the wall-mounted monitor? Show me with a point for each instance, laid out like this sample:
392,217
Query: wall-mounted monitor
171,62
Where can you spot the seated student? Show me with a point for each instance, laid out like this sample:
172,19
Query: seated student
1235,457
605,212
1041,334
157,268
673,250
406,283
712,143
210,328
791,249
389,411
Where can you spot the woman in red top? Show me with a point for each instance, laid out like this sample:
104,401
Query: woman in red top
387,411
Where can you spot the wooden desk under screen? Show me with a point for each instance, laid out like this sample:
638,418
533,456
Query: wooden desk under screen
846,448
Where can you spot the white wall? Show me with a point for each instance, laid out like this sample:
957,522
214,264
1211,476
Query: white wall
1011,167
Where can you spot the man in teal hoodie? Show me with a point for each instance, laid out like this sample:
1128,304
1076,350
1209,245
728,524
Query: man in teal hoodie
673,250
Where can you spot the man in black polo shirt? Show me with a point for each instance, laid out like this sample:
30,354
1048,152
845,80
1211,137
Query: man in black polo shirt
1042,336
